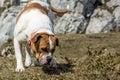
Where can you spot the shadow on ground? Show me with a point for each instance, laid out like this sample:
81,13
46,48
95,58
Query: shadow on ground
61,68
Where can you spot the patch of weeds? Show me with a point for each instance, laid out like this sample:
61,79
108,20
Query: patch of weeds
102,64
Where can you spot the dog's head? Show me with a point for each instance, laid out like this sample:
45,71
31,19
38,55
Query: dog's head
43,46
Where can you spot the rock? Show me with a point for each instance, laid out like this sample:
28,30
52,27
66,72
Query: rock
7,23
88,10
94,16
113,3
116,14
60,4
73,22
101,21
70,23
8,52
24,0
2,3
5,3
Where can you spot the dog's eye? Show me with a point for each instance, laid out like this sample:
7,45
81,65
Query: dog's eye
44,49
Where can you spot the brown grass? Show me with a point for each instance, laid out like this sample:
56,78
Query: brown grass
81,57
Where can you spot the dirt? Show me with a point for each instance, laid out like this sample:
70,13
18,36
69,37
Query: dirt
79,57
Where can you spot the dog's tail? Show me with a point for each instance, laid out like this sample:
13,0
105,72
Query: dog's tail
59,11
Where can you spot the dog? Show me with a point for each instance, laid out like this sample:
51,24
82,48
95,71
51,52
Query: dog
35,30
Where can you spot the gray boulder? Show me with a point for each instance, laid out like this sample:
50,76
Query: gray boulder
116,14
83,15
60,4
101,21
7,23
105,18
8,52
113,3
70,23
73,22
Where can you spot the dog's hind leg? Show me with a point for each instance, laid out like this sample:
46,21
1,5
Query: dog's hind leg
28,57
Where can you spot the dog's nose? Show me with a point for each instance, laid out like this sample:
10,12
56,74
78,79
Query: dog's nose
49,58
36,63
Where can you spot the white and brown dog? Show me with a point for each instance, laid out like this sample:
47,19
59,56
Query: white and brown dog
34,27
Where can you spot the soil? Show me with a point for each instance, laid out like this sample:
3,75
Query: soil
79,57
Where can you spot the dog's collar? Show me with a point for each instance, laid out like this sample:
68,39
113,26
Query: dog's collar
30,39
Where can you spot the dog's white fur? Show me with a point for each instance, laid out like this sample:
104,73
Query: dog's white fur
33,21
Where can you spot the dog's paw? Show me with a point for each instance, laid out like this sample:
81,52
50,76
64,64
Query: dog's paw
20,69
27,64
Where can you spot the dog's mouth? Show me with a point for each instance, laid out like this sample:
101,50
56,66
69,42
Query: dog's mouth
48,62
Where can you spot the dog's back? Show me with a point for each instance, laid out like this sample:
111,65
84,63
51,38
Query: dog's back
34,18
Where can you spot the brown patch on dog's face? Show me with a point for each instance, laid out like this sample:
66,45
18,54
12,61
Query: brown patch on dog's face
43,44
40,44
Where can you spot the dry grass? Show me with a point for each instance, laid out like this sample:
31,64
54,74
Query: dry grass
81,57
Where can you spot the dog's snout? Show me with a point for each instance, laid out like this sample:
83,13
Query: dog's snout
49,58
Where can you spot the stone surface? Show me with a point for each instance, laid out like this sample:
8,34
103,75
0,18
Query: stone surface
7,23
70,23
113,3
7,52
101,21
84,16
116,14
73,22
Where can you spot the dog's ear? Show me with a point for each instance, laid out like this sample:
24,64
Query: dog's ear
55,40
36,38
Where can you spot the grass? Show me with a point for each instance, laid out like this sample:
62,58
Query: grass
81,57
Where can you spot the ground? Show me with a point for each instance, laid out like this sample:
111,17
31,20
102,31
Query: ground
79,57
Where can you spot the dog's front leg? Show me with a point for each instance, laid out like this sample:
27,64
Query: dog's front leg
18,55
28,57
